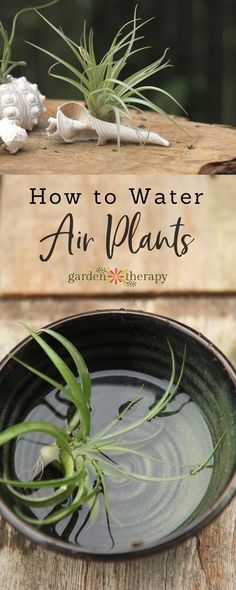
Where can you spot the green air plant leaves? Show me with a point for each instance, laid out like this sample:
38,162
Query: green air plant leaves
85,461
6,64
107,96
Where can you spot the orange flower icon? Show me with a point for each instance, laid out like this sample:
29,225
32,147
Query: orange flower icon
116,276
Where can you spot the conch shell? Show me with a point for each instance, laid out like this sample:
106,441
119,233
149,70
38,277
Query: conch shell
12,136
74,123
21,102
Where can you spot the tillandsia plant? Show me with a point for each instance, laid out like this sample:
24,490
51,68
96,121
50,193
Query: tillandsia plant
7,38
108,95
20,101
83,461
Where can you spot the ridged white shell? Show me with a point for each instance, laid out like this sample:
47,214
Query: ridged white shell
74,123
14,137
21,102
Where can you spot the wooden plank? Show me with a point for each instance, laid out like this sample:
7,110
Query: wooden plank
214,316
202,144
206,267
204,562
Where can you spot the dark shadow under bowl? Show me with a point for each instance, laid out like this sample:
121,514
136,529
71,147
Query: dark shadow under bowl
123,350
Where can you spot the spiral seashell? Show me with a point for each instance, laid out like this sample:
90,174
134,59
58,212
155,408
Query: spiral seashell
13,137
74,123
21,102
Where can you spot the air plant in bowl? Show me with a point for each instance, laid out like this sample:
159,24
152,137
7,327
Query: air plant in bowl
109,96
76,473
20,101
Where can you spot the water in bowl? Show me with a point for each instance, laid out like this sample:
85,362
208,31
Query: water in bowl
144,512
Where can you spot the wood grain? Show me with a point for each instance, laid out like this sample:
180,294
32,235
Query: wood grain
205,562
207,267
192,147
214,316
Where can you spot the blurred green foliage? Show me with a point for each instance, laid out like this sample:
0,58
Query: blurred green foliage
200,35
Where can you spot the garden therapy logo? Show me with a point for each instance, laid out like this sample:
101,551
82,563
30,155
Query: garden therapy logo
117,277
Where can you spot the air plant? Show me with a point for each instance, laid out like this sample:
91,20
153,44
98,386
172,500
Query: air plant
20,101
108,95
7,64
83,461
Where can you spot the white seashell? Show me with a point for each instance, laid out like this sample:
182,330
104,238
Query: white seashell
21,102
74,123
13,136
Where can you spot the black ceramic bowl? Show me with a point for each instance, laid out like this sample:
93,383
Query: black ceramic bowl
123,350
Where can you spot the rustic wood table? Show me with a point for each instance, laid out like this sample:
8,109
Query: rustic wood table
203,149
208,304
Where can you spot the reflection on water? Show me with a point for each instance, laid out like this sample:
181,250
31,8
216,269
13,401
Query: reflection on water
144,511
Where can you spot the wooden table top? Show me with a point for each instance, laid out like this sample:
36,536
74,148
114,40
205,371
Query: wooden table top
201,294
188,154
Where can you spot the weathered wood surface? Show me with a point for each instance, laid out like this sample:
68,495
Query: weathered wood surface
207,267
187,154
204,562
213,168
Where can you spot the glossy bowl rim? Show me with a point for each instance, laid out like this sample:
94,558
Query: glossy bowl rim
37,536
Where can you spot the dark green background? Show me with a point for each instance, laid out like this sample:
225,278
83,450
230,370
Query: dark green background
201,35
